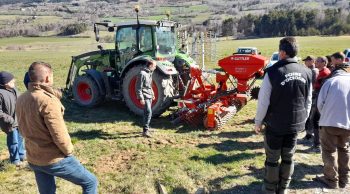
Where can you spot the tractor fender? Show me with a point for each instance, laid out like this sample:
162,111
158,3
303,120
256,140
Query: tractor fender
97,77
166,67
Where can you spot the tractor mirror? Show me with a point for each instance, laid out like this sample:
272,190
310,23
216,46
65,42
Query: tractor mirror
110,29
97,33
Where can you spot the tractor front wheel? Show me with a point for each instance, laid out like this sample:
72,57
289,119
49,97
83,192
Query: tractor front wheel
86,92
162,87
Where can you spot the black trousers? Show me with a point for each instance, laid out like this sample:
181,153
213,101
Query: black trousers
278,174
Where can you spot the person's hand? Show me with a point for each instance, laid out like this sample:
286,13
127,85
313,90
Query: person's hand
142,102
153,98
258,129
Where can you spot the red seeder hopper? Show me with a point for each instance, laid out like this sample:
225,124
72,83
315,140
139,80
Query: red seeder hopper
214,104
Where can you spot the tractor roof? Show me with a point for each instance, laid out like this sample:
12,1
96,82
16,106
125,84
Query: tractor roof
134,22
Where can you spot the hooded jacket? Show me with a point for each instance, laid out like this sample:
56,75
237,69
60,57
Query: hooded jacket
144,84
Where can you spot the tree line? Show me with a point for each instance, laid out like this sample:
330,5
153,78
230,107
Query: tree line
289,23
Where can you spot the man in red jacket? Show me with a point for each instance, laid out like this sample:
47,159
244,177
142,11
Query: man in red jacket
321,65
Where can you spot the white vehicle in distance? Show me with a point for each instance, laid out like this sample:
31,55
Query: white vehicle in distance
247,50
275,57
347,55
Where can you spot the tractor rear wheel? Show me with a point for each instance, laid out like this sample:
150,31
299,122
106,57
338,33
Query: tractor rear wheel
162,87
86,92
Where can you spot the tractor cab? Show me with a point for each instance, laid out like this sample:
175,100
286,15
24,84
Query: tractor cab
156,39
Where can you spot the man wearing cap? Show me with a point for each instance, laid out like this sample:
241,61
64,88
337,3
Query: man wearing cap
8,118
334,106
145,94
309,127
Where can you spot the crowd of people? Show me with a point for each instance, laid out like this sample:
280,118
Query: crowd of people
315,97
293,97
37,115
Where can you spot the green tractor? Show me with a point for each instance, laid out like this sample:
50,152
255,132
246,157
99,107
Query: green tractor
111,74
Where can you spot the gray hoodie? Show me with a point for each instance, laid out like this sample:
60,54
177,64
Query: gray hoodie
144,84
334,102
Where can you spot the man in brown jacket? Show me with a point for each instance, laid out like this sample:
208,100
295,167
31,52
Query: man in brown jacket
49,147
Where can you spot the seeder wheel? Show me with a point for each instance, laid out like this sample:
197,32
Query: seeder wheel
254,92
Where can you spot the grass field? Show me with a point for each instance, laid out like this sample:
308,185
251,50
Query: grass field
107,139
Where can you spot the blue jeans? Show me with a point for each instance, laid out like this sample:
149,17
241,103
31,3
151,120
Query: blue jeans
15,146
69,169
147,114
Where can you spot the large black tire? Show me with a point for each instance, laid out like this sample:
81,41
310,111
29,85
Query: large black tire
162,83
86,92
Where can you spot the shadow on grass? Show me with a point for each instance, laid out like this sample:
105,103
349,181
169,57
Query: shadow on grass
298,180
231,134
218,159
232,145
300,172
254,187
3,165
248,121
99,134
115,111
180,190
107,112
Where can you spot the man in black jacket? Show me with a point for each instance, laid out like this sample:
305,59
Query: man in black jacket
8,119
283,107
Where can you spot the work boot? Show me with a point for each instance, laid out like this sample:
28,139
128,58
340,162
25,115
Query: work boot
146,134
24,159
17,163
307,137
266,190
306,140
327,182
282,191
344,184
316,149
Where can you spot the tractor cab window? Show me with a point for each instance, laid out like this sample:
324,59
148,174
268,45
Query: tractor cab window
126,40
165,40
145,37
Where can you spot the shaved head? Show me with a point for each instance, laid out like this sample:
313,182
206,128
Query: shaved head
39,72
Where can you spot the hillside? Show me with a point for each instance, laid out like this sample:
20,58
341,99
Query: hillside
48,17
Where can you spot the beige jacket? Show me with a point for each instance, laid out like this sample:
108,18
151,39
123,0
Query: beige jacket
41,123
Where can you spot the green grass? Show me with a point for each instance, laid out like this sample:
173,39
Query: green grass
31,22
182,158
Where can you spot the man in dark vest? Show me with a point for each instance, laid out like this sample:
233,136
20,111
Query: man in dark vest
283,107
